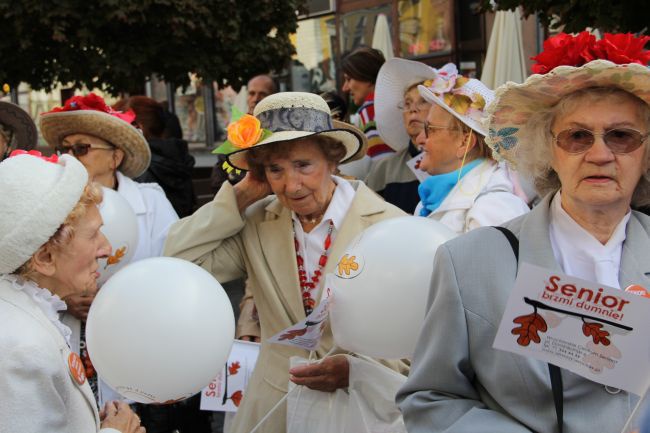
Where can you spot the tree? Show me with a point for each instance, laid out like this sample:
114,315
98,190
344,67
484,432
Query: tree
117,44
576,15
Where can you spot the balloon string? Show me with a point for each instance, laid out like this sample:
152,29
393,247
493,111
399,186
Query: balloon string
286,396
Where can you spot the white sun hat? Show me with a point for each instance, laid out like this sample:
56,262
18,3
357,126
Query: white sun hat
464,98
38,193
394,78
294,115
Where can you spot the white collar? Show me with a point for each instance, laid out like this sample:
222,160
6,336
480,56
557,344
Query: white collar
128,188
339,205
47,302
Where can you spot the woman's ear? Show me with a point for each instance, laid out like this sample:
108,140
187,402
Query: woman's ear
468,143
44,261
118,157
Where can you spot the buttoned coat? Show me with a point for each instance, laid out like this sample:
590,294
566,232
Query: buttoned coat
459,383
37,392
260,245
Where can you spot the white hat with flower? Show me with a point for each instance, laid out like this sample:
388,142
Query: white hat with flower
464,98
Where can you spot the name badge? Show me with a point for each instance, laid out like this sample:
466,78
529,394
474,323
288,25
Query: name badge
77,370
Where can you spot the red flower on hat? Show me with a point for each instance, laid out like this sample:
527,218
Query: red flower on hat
568,50
622,48
94,102
54,158
564,49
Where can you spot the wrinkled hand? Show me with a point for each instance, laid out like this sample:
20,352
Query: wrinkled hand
249,190
79,304
118,415
327,375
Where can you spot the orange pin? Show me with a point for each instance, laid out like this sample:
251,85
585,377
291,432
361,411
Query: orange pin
76,368
635,289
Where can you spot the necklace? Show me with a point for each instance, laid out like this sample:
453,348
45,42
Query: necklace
308,284
313,220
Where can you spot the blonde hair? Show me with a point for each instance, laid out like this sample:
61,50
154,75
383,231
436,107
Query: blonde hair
535,151
91,196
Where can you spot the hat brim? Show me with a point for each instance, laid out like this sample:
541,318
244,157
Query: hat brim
21,123
352,140
431,97
395,76
508,115
137,155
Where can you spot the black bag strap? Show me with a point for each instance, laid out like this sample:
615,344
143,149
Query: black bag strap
554,370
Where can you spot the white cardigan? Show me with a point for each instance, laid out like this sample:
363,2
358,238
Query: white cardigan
37,392
483,197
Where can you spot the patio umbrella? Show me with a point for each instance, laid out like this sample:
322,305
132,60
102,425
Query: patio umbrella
505,55
381,39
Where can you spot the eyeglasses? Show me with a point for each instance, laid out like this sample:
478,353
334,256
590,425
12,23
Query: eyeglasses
618,140
407,107
428,127
81,149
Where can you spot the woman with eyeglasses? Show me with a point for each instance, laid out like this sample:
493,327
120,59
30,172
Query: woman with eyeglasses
581,131
466,188
113,152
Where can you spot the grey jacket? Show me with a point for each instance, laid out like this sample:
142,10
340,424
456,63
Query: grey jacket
458,383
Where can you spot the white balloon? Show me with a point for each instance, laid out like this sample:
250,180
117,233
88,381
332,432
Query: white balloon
381,285
160,330
121,229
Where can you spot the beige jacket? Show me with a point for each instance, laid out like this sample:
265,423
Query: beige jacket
260,245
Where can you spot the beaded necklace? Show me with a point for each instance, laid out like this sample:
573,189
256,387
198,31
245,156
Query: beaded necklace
308,284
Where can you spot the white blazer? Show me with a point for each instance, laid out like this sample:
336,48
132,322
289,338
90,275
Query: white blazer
37,392
154,212
484,197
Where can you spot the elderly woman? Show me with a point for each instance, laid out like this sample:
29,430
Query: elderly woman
466,188
282,242
582,132
49,246
17,129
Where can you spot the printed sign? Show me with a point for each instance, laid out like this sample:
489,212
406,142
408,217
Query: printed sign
592,330
226,391
307,333
414,165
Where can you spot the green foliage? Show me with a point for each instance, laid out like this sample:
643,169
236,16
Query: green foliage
117,44
576,15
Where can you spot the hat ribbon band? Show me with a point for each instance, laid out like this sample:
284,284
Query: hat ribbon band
295,119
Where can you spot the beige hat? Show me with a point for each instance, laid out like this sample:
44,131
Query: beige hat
90,115
294,115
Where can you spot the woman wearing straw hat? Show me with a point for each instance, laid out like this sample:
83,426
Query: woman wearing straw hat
466,188
397,93
581,130
17,129
49,246
282,242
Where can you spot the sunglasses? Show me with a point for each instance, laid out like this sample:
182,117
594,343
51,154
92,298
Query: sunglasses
618,140
81,149
428,127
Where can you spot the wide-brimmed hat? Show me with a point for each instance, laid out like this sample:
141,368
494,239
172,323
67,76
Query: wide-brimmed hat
464,98
508,116
90,115
20,123
38,193
395,77
290,116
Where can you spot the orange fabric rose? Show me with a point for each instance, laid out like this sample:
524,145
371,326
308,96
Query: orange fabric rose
245,132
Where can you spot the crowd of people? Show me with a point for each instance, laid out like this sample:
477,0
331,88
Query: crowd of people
299,185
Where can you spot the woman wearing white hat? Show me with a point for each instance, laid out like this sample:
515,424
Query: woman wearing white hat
580,128
282,242
49,246
466,188
17,129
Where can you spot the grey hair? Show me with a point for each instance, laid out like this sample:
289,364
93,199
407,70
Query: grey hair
535,152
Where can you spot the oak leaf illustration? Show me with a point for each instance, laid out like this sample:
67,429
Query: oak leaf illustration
115,258
291,334
236,397
595,331
347,265
234,368
529,328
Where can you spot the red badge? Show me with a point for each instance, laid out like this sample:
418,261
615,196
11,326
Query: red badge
635,289
76,368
